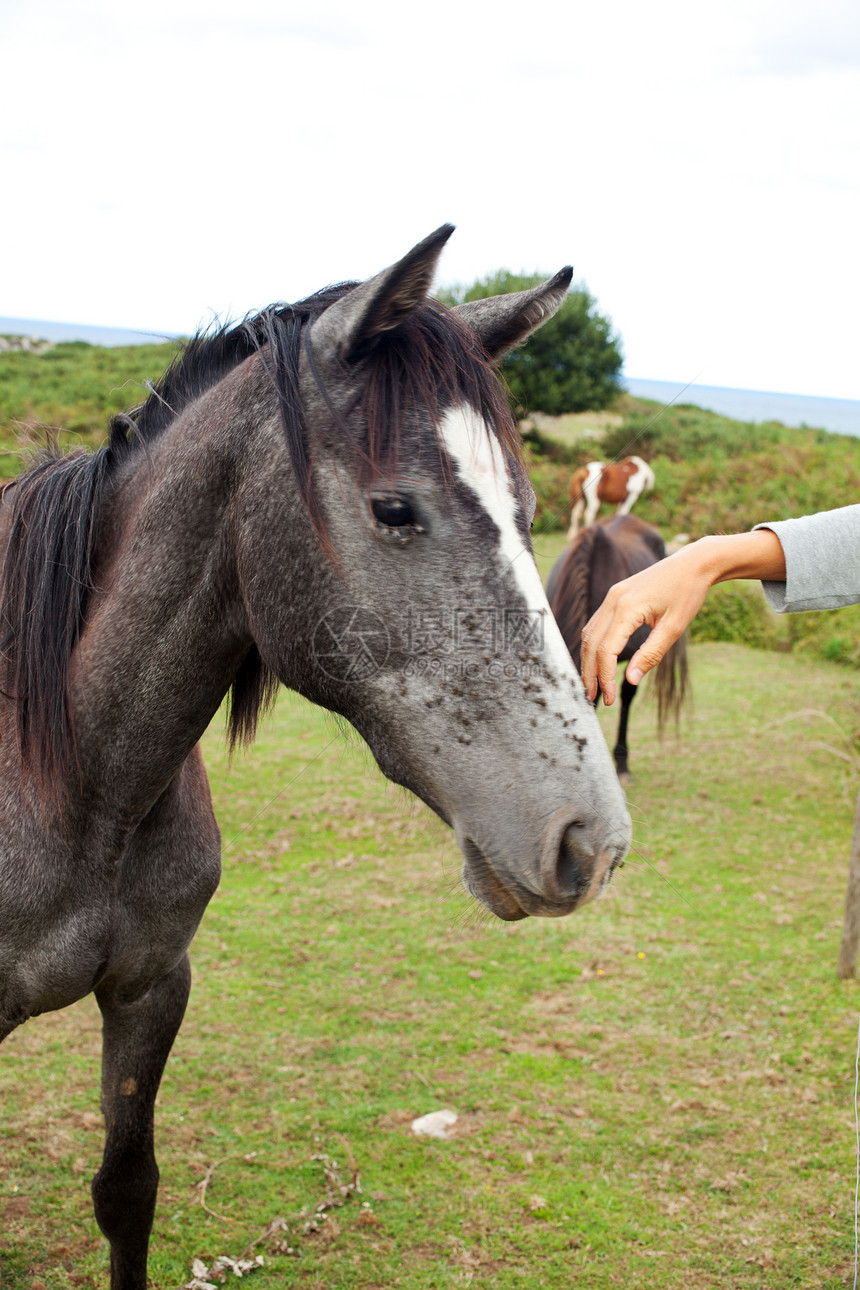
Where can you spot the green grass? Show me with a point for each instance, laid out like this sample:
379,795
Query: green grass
656,1092
74,389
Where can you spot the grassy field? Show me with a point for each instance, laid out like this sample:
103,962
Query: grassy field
657,1092
71,390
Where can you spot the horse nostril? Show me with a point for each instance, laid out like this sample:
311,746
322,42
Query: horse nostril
574,854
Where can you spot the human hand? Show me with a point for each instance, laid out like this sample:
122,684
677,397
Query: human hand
667,597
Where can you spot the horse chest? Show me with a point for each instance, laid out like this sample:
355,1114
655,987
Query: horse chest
54,933
73,916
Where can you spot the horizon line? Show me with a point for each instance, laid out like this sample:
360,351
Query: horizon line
155,337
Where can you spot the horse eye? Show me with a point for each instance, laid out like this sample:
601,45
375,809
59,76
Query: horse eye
393,512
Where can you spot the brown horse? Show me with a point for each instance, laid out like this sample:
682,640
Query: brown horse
602,555
619,483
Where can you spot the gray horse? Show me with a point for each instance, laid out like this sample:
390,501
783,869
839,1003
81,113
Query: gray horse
329,496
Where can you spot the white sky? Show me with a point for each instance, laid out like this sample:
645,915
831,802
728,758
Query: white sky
698,165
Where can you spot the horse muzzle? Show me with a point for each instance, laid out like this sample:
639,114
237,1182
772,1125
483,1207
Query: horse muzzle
574,866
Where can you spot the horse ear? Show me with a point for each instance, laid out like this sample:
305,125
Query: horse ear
349,326
502,322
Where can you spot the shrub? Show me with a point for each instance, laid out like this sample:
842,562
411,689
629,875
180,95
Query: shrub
572,364
738,612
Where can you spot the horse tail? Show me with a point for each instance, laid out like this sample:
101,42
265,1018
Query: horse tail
671,681
571,599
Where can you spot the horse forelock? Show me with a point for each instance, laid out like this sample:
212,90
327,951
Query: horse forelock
416,373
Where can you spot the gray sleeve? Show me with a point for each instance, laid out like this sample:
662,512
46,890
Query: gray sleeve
822,561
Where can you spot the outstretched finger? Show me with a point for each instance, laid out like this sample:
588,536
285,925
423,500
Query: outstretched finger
593,637
603,639
652,652
601,645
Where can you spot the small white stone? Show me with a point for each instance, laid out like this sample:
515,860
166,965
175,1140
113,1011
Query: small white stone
436,1124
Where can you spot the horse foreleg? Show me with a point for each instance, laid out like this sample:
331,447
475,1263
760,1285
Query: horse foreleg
592,507
628,694
137,1039
575,517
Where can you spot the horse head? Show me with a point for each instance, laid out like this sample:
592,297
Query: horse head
414,607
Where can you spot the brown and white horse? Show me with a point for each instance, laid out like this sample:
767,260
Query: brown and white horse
619,483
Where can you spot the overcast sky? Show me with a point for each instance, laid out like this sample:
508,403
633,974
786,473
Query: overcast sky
698,165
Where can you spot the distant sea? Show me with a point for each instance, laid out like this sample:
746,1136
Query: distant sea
57,331
839,415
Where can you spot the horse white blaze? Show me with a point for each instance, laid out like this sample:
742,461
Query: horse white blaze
480,463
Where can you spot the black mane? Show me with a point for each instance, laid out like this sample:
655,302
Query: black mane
430,361
208,357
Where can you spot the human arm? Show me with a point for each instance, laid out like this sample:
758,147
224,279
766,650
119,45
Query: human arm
822,560
667,596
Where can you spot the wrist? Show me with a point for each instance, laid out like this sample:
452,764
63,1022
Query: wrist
705,561
757,554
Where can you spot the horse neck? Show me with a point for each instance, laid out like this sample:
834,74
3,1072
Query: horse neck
166,629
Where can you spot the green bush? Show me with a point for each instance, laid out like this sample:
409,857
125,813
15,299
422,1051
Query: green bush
832,634
738,612
712,474
551,481
572,364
